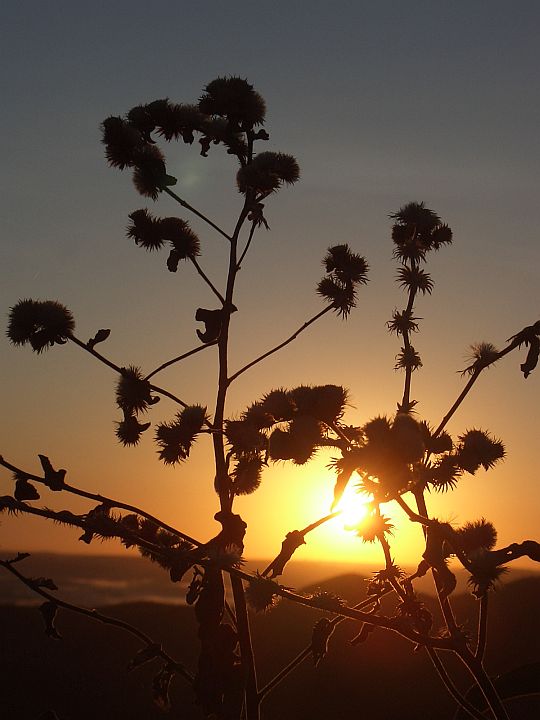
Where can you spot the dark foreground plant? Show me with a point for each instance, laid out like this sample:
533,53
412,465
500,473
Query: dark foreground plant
391,459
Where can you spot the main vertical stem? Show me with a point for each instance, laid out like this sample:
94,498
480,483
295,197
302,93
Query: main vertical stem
222,478
248,661
222,481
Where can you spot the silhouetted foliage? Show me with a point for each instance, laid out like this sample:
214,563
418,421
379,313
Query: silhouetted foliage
387,457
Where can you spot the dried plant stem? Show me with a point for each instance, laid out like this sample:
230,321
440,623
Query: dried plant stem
222,480
482,627
207,280
119,370
448,683
248,243
95,615
189,207
444,602
252,699
405,402
461,397
277,679
281,345
475,374
104,500
476,668
95,353
306,652
180,358
302,534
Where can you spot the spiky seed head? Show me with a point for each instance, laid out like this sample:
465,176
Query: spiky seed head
246,475
235,99
342,296
476,535
346,265
176,121
184,241
374,526
129,430
258,417
150,174
142,120
122,142
41,323
145,230
436,445
243,437
481,355
267,172
322,402
279,405
408,358
133,391
407,438
445,474
415,279
477,449
402,322
176,438
378,429
261,594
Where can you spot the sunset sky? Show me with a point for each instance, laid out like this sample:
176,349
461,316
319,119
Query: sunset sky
382,103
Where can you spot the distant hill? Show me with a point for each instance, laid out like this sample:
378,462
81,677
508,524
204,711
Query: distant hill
96,580
83,676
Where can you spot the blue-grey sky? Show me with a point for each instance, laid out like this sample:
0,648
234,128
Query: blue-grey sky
382,103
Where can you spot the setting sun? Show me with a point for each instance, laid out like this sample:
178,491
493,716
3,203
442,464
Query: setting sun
353,507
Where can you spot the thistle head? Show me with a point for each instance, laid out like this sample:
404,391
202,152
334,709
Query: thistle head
41,323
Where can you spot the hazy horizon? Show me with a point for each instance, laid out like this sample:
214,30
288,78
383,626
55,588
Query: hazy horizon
381,104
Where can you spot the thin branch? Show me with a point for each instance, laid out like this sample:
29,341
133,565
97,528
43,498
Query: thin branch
277,679
281,345
475,374
248,243
306,652
475,667
482,627
65,517
405,402
104,500
444,602
99,617
293,540
180,358
207,280
320,522
454,692
461,397
189,207
95,353
246,650
119,370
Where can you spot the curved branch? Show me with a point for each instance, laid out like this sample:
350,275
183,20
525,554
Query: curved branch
102,499
248,243
189,207
180,358
281,345
449,685
207,280
482,627
99,617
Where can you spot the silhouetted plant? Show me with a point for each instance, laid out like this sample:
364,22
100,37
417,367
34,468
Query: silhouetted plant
392,458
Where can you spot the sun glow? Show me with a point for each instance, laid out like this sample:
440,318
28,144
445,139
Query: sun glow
353,508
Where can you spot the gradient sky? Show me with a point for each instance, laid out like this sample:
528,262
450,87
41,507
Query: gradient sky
382,103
